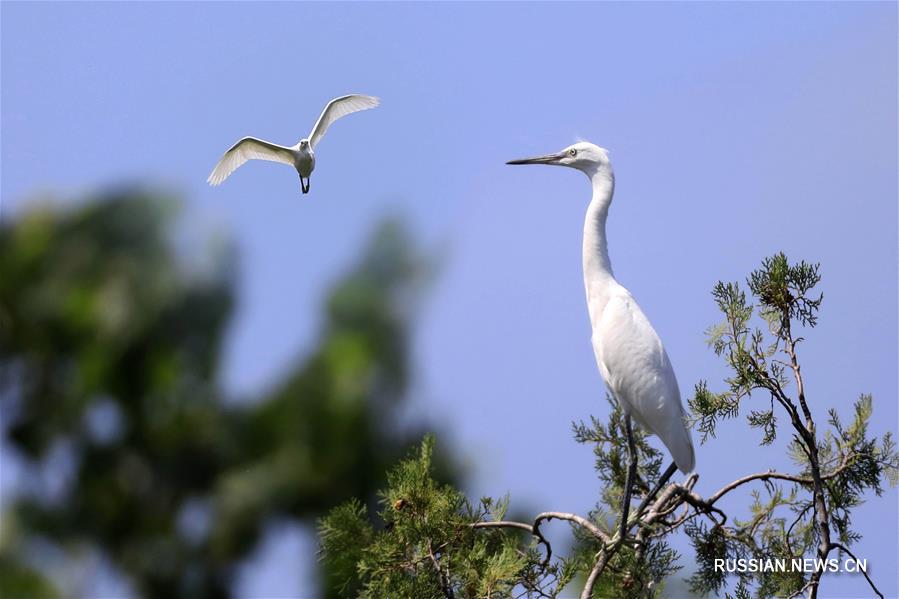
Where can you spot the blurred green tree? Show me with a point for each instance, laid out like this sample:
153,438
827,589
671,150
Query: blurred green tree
110,347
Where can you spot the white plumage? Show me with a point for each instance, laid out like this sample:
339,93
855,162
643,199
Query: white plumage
337,108
629,353
302,155
248,148
637,370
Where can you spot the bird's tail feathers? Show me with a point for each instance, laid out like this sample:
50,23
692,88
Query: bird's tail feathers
680,445
676,437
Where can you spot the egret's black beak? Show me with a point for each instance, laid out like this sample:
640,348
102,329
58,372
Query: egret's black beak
547,159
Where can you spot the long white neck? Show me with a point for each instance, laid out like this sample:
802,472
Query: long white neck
598,277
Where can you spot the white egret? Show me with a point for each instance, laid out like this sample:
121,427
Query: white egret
628,351
300,156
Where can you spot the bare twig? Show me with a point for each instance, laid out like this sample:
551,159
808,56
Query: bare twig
772,475
657,509
704,506
801,591
807,433
587,593
864,571
534,529
583,522
598,567
795,522
444,582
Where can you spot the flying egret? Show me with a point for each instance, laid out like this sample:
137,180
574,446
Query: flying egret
300,156
629,353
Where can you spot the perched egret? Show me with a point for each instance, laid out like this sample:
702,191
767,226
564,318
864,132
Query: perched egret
300,156
629,353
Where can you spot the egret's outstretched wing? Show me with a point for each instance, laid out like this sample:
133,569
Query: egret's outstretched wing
248,148
337,108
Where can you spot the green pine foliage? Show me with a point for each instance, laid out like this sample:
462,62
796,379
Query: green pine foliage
425,539
635,570
801,514
426,544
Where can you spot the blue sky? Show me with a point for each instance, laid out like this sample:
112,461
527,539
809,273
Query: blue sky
736,130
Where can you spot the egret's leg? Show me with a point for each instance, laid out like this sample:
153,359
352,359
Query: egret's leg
658,487
631,475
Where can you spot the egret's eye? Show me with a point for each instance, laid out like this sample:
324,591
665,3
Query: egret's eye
572,152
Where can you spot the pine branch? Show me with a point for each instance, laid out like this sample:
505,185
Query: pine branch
433,524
